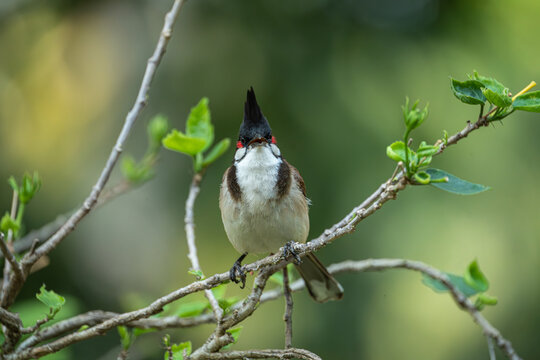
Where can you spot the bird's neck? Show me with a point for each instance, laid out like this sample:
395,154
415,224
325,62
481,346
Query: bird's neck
257,174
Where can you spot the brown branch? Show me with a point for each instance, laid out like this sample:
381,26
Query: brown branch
460,299
14,264
287,316
264,354
10,320
272,263
14,287
189,220
106,320
95,317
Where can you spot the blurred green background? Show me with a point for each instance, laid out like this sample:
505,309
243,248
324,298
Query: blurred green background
330,76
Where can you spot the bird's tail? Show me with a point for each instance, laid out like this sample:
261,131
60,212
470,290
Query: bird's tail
321,285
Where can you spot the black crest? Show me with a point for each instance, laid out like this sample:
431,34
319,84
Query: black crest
255,124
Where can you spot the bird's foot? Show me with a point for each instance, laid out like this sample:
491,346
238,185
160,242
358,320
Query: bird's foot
237,271
288,250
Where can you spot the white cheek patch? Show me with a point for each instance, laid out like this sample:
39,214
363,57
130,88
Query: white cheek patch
240,153
275,150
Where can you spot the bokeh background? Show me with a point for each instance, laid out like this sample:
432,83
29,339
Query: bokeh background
331,77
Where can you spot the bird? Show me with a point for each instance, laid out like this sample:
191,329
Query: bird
264,206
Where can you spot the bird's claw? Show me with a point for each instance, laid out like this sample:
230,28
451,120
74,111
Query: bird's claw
288,250
237,271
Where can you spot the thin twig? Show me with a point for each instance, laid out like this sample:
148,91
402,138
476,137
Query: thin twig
13,287
287,316
189,220
491,348
15,266
123,355
12,335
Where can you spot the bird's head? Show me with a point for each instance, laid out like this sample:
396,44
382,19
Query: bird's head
255,132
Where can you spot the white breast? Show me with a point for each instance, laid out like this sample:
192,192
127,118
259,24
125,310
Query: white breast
261,222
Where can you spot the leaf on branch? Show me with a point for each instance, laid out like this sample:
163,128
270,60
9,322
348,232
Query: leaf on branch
412,116
198,123
157,129
396,152
218,150
125,337
51,299
235,333
495,92
198,274
475,278
458,282
192,308
528,102
178,350
177,141
422,177
136,172
468,92
454,184
7,223
485,299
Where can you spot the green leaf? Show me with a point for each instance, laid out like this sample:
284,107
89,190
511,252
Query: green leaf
235,332
29,186
454,184
139,331
198,123
495,92
226,303
51,299
218,150
125,337
468,92
219,291
7,223
135,172
177,141
178,350
422,177
192,308
475,278
157,129
396,152
458,282
485,299
13,183
529,101
412,116
198,274
426,150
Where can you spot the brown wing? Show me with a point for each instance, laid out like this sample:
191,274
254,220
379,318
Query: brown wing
299,181
283,183
232,183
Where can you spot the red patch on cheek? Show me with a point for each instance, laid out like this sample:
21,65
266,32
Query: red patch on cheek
273,139
239,145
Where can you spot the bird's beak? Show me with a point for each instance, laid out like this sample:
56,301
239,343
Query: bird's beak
259,141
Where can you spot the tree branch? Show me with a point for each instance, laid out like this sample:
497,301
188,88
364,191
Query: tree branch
287,316
189,220
13,287
268,265
264,354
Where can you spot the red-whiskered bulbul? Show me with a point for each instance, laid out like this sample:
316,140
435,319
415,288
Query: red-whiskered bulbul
264,205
